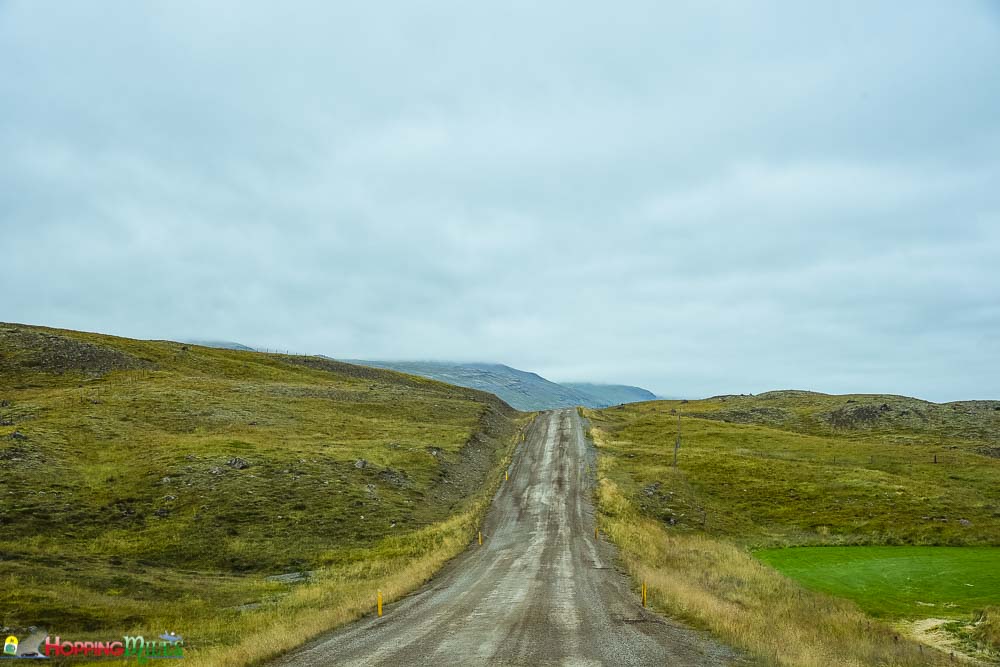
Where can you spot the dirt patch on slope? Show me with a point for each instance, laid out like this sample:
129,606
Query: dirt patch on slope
459,476
857,415
24,349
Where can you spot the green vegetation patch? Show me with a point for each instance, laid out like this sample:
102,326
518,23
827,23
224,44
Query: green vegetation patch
906,582
152,484
787,468
886,485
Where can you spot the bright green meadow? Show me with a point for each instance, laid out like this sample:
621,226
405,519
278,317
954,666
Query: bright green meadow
897,581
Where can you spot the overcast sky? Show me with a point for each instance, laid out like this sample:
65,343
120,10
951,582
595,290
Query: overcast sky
693,197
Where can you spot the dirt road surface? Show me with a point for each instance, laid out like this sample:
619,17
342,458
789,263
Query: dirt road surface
541,590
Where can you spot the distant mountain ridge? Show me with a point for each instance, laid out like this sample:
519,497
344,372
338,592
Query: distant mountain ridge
221,344
520,389
612,394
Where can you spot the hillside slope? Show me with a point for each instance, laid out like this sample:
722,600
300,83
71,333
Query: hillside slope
794,467
521,389
173,479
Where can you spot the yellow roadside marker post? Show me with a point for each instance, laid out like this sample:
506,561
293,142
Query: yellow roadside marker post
506,475
644,594
480,538
380,604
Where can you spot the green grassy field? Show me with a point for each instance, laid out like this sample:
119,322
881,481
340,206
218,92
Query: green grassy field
910,582
799,469
152,485
796,468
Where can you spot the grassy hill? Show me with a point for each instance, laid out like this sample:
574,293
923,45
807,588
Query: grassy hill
794,468
150,485
800,468
521,389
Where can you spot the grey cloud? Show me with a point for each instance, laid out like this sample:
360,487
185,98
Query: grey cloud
695,199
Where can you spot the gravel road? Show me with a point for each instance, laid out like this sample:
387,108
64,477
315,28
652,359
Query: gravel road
539,591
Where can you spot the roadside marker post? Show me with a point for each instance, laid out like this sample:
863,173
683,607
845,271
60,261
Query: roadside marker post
506,475
380,604
480,538
644,594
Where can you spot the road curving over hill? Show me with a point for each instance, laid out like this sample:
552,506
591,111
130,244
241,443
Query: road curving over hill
541,590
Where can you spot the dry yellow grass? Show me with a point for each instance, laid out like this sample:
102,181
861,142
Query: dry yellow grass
718,586
987,630
338,597
341,595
